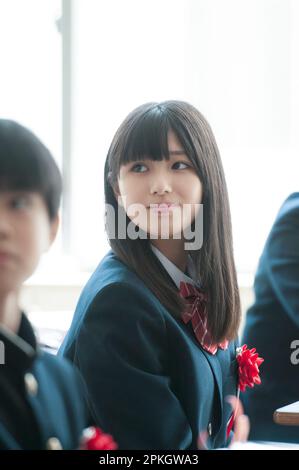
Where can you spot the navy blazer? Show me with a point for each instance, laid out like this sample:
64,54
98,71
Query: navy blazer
42,397
149,382
272,324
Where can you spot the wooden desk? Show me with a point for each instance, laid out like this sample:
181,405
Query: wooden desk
287,415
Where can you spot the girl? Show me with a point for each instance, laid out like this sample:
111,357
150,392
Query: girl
154,330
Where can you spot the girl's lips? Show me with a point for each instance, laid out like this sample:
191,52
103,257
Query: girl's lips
163,204
164,208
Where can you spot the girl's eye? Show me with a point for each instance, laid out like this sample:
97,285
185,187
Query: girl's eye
139,168
20,202
177,166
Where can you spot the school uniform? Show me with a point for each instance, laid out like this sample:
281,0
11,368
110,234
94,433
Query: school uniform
149,382
42,404
272,324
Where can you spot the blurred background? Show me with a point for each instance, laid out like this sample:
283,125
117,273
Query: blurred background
71,70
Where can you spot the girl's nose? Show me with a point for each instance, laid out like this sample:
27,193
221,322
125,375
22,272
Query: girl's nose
160,185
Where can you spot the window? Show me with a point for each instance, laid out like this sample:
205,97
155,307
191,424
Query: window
30,50
236,61
31,71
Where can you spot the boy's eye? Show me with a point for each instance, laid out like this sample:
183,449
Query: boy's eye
177,166
139,168
20,202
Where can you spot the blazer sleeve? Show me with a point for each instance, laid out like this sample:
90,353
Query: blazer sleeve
121,352
282,263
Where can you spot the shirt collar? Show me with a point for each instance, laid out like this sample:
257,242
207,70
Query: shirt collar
174,272
20,349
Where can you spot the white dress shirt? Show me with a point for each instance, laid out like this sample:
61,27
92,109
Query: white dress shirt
174,272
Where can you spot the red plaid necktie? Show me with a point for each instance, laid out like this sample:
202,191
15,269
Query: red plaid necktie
196,312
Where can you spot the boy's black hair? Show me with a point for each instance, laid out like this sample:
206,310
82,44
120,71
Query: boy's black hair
27,165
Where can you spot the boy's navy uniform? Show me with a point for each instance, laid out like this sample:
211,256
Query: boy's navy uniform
42,405
149,382
272,324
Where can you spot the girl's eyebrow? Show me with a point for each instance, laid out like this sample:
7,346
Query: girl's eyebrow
177,152
171,153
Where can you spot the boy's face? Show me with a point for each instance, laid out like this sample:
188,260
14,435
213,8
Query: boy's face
26,232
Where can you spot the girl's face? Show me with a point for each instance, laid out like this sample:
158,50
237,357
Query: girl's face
161,197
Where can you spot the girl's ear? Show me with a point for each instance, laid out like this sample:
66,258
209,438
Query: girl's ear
114,186
117,195
116,191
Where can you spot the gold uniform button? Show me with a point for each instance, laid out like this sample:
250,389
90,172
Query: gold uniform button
30,383
53,444
210,429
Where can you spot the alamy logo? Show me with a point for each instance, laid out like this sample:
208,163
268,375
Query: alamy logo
155,221
295,354
2,353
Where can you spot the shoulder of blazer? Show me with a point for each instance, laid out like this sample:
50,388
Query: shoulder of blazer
290,207
113,278
112,270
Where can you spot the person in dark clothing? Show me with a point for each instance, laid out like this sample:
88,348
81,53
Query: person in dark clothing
272,325
42,397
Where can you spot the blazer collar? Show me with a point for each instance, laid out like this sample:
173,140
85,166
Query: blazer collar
20,349
174,272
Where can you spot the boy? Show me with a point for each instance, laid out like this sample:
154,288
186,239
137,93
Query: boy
42,405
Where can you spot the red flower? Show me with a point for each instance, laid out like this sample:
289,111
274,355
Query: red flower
249,362
95,439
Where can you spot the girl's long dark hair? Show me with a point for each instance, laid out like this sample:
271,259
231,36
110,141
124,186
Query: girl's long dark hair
144,134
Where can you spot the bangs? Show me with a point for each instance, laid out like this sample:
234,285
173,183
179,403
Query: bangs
144,135
19,174
148,138
26,164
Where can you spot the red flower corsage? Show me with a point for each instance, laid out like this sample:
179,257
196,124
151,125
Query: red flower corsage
249,362
248,371
95,439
